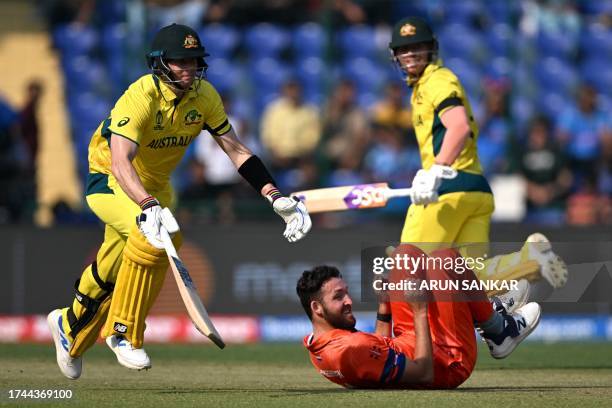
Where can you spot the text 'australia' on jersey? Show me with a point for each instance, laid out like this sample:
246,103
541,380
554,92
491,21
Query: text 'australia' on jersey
149,114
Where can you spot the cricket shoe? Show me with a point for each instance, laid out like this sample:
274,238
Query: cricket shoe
127,355
69,366
513,299
552,267
517,326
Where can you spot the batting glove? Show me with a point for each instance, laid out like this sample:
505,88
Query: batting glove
295,215
426,183
151,219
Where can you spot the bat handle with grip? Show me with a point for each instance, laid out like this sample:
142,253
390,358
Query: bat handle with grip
398,192
168,226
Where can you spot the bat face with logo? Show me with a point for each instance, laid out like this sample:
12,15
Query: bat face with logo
353,197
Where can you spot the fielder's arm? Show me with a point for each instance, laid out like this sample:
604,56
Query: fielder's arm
457,125
123,152
420,370
383,319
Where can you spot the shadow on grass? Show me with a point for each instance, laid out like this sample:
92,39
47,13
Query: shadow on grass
540,388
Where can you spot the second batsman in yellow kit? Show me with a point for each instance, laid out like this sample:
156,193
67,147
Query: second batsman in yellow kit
452,202
131,156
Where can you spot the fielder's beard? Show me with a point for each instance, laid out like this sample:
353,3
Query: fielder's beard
342,320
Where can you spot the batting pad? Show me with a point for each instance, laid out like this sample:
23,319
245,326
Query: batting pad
139,281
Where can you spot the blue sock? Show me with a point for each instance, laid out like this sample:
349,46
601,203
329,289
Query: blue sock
495,324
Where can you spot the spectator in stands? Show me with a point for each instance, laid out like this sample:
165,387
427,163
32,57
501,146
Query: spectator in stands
495,129
350,12
581,130
29,122
244,12
393,111
548,179
587,206
389,159
188,12
346,130
290,129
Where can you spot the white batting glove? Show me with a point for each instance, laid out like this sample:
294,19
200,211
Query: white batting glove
152,218
426,183
295,215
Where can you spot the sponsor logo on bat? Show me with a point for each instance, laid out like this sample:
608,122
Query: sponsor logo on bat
364,196
184,273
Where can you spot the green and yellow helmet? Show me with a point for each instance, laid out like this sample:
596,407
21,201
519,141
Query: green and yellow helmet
410,31
175,41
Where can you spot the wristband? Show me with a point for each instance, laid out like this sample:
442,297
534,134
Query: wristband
148,202
383,317
255,173
273,195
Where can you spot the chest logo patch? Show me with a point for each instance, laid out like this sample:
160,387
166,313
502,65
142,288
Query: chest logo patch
193,117
158,121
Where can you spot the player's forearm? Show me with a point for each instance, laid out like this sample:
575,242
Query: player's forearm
128,180
383,319
454,141
423,351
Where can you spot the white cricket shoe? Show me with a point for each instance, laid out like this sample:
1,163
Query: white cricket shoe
513,299
552,267
127,355
517,326
69,366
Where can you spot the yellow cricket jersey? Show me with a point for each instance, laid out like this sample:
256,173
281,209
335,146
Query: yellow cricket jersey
436,91
150,115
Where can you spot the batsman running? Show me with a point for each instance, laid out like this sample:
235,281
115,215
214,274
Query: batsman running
433,344
131,156
452,202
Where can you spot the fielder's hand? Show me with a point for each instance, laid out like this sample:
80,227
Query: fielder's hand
295,215
426,183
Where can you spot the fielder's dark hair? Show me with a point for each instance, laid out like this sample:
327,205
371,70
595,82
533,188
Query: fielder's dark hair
309,285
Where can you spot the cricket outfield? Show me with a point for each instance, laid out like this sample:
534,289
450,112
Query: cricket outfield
280,375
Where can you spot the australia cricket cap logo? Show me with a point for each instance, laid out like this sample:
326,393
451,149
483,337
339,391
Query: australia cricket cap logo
407,30
190,42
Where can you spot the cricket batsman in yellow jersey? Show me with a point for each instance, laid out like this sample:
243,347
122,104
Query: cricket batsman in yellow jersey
131,157
451,199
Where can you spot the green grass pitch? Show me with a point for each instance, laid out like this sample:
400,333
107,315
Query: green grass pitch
280,375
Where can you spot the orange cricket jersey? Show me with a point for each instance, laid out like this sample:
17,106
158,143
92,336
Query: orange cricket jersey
356,359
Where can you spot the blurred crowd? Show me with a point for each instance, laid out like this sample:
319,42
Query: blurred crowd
553,129
18,153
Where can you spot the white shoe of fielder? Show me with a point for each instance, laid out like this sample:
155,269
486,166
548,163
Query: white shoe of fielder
517,326
69,366
127,355
552,267
513,299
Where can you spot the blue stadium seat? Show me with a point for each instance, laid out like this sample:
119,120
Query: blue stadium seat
311,72
358,41
554,74
596,40
500,39
266,40
309,40
220,40
365,73
225,75
558,45
268,75
596,7
458,41
74,39
502,11
552,103
500,67
462,12
522,110
85,74
597,72
469,75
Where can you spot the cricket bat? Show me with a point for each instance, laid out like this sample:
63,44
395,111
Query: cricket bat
195,309
349,197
